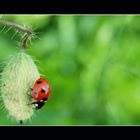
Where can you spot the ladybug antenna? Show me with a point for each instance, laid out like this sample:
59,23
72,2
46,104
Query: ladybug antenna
20,121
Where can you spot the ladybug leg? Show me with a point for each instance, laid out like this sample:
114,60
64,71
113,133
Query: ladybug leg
29,93
35,105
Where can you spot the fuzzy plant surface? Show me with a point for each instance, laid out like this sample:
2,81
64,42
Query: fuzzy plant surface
17,79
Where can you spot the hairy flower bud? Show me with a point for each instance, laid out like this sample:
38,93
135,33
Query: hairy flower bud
18,77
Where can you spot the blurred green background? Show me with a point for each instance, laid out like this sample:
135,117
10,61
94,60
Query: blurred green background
92,63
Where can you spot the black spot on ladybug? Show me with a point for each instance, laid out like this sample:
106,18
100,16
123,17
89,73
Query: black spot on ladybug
39,82
43,90
35,93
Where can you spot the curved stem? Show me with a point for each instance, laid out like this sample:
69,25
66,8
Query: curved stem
17,26
21,28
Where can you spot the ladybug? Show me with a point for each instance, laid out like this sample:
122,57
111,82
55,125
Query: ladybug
40,92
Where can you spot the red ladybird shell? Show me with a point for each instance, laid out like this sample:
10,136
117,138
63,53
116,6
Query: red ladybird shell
41,89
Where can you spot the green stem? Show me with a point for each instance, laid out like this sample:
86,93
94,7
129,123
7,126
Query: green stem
21,28
17,26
